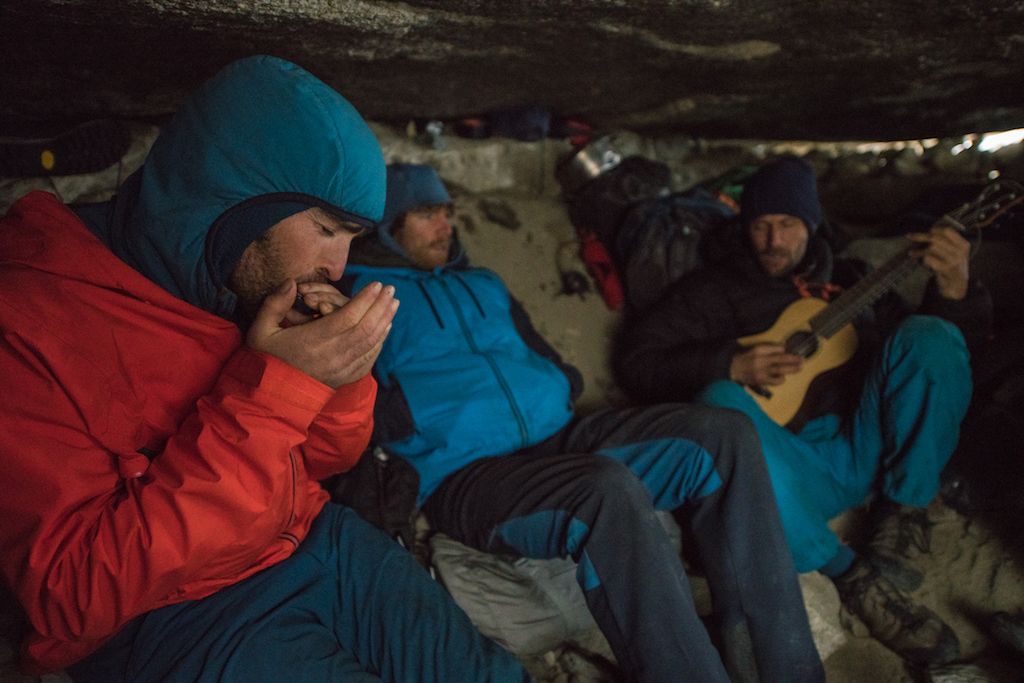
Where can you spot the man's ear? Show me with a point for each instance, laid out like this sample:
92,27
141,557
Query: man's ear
398,224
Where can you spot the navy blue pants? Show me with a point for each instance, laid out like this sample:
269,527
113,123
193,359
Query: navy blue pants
590,493
350,605
901,435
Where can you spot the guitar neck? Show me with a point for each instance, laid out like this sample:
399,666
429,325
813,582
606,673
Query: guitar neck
994,200
862,295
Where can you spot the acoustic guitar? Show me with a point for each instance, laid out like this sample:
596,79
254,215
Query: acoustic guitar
823,334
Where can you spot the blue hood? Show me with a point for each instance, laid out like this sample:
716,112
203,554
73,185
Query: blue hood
262,132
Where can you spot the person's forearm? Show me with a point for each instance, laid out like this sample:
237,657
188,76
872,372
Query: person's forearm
675,373
973,314
342,430
208,509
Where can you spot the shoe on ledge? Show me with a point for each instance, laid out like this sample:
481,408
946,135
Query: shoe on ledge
901,536
909,629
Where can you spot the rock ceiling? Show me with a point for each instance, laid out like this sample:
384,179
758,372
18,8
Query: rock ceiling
874,69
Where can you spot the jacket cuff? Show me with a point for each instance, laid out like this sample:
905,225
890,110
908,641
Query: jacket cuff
953,310
720,362
354,395
276,378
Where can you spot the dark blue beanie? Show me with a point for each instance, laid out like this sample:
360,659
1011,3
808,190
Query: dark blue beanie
243,224
410,186
786,185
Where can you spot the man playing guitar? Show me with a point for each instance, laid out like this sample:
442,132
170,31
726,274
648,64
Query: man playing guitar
884,432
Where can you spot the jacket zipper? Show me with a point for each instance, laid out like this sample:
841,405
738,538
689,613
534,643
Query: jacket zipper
502,382
286,535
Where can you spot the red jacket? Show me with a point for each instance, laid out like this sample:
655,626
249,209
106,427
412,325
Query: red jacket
102,370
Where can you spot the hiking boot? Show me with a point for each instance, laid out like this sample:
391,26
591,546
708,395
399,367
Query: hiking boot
88,148
1008,630
901,536
910,630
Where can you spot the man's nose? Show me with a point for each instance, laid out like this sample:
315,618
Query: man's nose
441,224
336,257
774,237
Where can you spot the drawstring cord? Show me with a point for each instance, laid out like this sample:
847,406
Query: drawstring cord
806,288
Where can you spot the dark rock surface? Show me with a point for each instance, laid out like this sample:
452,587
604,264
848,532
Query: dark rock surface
713,68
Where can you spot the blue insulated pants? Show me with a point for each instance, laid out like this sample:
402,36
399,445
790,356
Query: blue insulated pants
350,606
590,493
899,438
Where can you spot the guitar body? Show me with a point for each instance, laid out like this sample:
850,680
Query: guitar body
784,400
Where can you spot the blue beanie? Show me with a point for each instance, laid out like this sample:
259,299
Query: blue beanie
786,185
410,186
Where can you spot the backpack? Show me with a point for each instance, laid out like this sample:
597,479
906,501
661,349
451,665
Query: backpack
382,489
601,203
662,239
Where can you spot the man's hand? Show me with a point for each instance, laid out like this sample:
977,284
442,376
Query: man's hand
320,298
946,253
764,364
337,348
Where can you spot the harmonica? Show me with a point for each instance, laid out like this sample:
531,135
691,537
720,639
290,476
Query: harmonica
301,307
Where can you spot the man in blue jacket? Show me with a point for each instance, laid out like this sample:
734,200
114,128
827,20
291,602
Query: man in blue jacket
481,406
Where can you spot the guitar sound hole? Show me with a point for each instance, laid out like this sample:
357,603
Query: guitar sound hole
802,344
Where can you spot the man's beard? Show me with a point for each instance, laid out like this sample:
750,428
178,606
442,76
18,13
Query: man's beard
786,269
260,272
442,245
778,259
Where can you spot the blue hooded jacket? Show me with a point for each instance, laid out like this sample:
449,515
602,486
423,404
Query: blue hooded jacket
261,140
462,375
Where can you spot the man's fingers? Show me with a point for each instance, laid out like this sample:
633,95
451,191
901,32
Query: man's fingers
941,255
382,310
275,306
353,342
316,288
322,297
296,317
364,299
946,239
946,232
375,327
383,323
367,311
938,260
767,349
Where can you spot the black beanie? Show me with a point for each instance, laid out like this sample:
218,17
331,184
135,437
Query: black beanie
786,185
239,227
244,223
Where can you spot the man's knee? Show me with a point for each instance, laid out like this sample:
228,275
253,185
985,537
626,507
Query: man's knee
929,341
339,531
724,394
724,425
732,421
608,478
